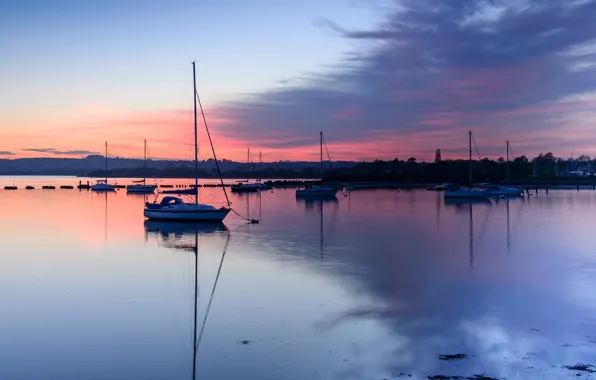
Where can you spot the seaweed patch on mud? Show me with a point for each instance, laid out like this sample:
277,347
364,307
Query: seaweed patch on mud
581,367
453,357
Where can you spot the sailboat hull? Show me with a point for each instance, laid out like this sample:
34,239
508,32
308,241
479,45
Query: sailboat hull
467,193
250,188
318,192
187,216
141,189
103,187
507,190
174,209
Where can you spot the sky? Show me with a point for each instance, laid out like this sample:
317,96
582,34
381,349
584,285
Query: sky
381,78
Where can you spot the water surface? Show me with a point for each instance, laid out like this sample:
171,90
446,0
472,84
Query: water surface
375,285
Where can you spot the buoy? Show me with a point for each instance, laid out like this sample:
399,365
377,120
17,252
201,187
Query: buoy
10,188
254,221
29,188
66,187
48,187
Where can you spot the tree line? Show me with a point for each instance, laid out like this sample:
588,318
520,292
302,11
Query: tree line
544,166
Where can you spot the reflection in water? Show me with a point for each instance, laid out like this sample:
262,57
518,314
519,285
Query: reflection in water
466,201
311,204
175,235
471,237
395,289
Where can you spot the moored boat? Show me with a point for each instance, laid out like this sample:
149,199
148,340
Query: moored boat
102,184
177,210
318,191
469,192
141,186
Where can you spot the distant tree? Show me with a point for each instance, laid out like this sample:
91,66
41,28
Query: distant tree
411,160
500,160
584,157
523,159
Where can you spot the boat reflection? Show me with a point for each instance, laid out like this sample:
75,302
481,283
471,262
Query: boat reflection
186,236
174,235
182,228
312,203
466,201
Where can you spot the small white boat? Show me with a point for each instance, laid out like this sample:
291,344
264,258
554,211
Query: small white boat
506,190
102,184
316,191
175,209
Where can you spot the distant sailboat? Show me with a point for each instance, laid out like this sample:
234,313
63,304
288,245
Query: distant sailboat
102,184
247,187
318,191
141,187
460,192
262,186
506,190
174,208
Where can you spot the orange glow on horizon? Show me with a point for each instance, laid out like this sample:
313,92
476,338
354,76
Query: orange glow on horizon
169,134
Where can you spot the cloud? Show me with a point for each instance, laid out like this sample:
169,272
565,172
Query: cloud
6,153
58,152
436,69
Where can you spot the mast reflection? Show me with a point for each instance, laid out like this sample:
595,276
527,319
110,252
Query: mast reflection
185,236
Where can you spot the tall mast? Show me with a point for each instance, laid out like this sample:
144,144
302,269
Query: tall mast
106,161
260,166
247,164
321,153
470,159
508,161
145,158
196,146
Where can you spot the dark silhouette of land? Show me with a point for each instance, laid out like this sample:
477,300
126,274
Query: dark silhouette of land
542,168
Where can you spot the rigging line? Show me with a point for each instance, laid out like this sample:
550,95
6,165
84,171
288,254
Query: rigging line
480,159
223,255
148,159
244,217
251,162
327,150
212,148
485,222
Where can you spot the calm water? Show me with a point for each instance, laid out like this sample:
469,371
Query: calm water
373,286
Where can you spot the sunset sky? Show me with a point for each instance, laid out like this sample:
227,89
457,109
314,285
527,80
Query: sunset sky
381,78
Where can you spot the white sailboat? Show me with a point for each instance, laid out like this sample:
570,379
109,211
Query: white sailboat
102,184
317,191
141,187
461,192
174,208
